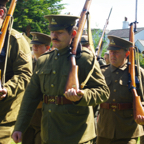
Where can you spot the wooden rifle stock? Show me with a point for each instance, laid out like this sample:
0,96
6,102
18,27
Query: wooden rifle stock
72,81
101,38
137,105
6,23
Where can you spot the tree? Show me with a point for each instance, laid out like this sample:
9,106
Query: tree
96,34
29,14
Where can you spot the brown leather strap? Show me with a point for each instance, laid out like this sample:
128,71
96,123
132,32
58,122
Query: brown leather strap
119,106
40,105
58,100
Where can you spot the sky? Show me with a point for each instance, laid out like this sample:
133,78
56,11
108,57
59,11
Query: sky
99,11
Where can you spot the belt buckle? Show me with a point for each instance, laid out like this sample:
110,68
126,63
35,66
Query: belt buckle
114,107
56,100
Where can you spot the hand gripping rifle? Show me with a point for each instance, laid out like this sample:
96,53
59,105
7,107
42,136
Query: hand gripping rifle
7,25
72,81
98,48
137,105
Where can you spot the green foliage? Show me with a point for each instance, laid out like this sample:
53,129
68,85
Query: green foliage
96,34
141,60
31,13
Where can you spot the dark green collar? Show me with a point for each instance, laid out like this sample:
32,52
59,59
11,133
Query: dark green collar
62,51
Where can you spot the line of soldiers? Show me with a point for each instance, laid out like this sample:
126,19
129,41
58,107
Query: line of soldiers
29,100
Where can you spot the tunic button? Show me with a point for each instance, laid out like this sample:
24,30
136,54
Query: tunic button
114,90
56,58
113,99
41,72
54,72
52,85
114,110
49,110
115,80
117,72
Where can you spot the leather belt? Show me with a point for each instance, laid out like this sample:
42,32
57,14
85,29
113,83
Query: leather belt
119,106
58,100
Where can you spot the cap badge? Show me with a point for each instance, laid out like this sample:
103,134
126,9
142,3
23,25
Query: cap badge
53,22
35,38
112,42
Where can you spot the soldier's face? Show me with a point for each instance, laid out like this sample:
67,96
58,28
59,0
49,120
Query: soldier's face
61,38
106,58
38,49
117,57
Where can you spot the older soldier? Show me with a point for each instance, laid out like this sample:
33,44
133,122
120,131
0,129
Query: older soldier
116,124
40,44
18,73
66,117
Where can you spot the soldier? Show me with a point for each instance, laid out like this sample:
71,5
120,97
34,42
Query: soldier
40,44
85,43
116,124
66,117
17,77
106,57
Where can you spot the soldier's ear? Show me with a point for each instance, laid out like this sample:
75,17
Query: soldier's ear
127,53
47,47
74,33
1,13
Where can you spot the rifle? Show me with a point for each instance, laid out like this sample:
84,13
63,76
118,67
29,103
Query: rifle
72,81
6,27
135,30
98,48
137,105
6,23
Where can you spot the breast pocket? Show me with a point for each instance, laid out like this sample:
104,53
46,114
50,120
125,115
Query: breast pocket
44,76
124,89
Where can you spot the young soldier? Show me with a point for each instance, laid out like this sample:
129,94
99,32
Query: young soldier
66,117
18,73
106,57
40,44
116,124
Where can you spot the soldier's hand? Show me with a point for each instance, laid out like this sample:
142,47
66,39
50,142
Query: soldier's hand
17,136
73,95
140,120
3,93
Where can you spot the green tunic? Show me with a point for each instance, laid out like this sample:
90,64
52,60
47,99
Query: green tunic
18,73
119,123
63,124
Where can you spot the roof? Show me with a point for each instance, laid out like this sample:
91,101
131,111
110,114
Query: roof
123,33
142,42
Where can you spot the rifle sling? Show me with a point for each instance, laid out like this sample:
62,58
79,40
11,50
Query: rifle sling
89,74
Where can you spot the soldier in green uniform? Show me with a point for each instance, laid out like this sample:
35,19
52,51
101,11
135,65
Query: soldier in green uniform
40,44
116,124
85,43
17,77
106,57
66,117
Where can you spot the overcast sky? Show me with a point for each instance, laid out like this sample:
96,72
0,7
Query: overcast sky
100,9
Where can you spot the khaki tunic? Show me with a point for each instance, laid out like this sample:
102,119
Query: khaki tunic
119,123
18,73
63,124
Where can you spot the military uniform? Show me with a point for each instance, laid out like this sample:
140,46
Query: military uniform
32,134
18,73
116,120
63,121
